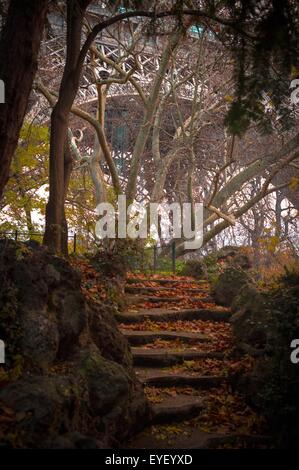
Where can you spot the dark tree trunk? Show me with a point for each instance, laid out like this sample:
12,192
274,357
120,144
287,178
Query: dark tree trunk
55,223
68,167
19,47
60,114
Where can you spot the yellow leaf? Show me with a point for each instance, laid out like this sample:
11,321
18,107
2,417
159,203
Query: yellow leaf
229,98
294,183
294,72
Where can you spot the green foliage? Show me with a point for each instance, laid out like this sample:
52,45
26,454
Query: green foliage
279,394
29,172
265,59
211,268
138,256
80,206
118,257
238,118
291,276
34,143
229,256
10,326
194,268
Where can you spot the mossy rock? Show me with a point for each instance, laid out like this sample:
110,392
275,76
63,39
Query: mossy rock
251,321
193,268
228,285
68,368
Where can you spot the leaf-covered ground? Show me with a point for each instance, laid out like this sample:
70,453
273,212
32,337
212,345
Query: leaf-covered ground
225,411
219,332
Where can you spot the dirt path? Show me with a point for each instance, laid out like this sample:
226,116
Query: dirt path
182,348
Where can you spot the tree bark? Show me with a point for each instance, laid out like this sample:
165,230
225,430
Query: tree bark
150,111
68,167
254,169
19,47
59,126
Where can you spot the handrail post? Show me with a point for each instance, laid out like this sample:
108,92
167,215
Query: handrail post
173,256
75,242
155,257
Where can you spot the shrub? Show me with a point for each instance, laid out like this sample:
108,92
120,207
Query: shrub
194,268
279,395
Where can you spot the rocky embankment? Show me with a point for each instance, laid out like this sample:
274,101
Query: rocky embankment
68,380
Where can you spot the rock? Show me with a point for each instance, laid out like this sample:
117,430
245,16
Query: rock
52,274
40,338
71,317
228,285
251,321
105,334
194,268
43,404
79,441
32,244
264,324
107,381
110,388
73,382
234,256
61,442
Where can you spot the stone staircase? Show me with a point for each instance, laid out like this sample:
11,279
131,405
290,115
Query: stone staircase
162,314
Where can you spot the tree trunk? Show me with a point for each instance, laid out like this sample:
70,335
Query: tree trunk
59,126
150,111
68,167
19,47
278,217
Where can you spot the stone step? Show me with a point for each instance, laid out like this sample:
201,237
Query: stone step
176,409
191,439
154,377
234,439
195,438
146,290
166,315
166,281
166,357
144,337
138,299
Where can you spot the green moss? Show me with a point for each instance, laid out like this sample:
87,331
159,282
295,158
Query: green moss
10,328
